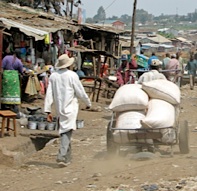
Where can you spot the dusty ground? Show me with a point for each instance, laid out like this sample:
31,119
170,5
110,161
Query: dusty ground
91,168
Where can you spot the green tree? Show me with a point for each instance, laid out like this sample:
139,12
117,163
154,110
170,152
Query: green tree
125,18
143,16
89,20
101,15
113,18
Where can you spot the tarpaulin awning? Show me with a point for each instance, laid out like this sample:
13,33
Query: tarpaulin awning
29,31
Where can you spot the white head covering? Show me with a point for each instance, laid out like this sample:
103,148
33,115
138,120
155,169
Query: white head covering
64,61
173,55
156,62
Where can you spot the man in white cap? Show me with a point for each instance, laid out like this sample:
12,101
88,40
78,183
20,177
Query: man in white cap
63,90
153,74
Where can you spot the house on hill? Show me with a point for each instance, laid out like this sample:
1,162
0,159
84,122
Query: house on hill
119,25
182,43
193,39
156,43
156,39
171,31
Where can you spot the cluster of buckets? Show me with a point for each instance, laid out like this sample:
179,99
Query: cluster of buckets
40,123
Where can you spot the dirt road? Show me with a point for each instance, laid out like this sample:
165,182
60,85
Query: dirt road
92,169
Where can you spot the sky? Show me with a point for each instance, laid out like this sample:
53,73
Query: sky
155,7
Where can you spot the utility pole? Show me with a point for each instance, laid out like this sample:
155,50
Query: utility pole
71,8
133,26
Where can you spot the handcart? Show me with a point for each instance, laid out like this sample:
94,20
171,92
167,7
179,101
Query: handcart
175,78
140,137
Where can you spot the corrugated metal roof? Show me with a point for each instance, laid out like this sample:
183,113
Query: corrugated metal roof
166,46
103,28
181,39
127,43
27,18
29,31
159,39
150,45
107,21
192,37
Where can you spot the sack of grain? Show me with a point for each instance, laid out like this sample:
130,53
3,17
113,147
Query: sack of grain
160,114
162,89
129,97
168,136
129,120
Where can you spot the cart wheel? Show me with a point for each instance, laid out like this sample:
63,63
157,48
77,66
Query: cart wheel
112,148
184,137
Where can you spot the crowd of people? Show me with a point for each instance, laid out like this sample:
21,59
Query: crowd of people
172,67
64,87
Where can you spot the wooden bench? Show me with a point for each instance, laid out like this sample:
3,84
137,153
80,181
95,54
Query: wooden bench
7,114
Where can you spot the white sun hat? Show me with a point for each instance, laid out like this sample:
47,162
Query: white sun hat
64,61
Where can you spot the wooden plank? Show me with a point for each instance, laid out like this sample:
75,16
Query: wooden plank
7,113
147,135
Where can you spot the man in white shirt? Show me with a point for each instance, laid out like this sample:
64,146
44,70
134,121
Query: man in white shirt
63,90
153,74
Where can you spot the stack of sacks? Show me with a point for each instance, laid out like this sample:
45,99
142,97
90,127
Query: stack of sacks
164,100
129,103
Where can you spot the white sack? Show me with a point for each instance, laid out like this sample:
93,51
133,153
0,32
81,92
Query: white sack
162,89
168,136
128,120
129,97
160,114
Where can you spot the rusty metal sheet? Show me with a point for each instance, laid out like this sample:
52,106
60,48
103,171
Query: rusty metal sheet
35,19
29,31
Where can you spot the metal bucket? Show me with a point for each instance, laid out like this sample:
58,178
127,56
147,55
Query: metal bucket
51,126
80,124
41,125
32,125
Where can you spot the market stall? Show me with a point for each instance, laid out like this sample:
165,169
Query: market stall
90,68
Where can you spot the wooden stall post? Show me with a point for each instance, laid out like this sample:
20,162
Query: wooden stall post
95,72
1,51
94,60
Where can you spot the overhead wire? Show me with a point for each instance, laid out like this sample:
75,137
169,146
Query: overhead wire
110,4
109,7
